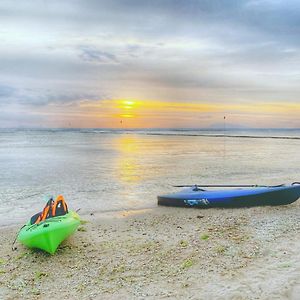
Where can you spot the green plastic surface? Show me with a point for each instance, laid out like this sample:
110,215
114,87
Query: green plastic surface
47,235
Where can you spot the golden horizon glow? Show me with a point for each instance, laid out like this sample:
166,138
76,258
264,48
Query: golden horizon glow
126,116
133,113
165,106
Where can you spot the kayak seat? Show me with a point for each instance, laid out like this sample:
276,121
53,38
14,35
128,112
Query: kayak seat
34,218
52,209
59,207
45,214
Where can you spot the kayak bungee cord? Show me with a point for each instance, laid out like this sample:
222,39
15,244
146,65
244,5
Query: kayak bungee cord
33,225
230,185
12,246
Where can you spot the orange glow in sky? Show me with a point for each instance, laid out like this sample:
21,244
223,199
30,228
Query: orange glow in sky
132,113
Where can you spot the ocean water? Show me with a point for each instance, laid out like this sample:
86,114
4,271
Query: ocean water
109,170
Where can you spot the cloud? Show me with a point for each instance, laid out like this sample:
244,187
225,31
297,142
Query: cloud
43,97
6,91
235,51
91,54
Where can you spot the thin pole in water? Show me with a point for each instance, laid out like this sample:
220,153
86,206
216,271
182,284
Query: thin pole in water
224,132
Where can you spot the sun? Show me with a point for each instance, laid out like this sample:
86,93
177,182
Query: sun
127,106
130,103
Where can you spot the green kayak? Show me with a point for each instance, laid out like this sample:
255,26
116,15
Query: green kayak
48,234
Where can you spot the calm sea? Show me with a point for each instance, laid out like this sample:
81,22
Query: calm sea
108,170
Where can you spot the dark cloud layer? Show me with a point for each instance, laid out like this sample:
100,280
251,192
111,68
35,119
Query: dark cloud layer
6,91
91,54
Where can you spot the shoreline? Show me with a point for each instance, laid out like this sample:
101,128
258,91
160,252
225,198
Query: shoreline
163,253
105,214
219,133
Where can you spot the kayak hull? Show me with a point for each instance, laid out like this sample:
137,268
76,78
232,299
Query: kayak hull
257,196
48,235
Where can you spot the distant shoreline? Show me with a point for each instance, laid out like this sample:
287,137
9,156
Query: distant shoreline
218,133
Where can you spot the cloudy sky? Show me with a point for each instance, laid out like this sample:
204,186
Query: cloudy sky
149,63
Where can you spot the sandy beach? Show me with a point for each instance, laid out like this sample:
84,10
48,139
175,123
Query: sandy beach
245,253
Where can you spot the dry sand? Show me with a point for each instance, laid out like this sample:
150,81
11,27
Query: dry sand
175,253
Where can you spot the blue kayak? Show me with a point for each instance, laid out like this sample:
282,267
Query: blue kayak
196,196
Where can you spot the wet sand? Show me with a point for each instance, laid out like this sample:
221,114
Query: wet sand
244,253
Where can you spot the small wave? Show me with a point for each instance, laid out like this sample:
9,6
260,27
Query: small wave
282,134
228,135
